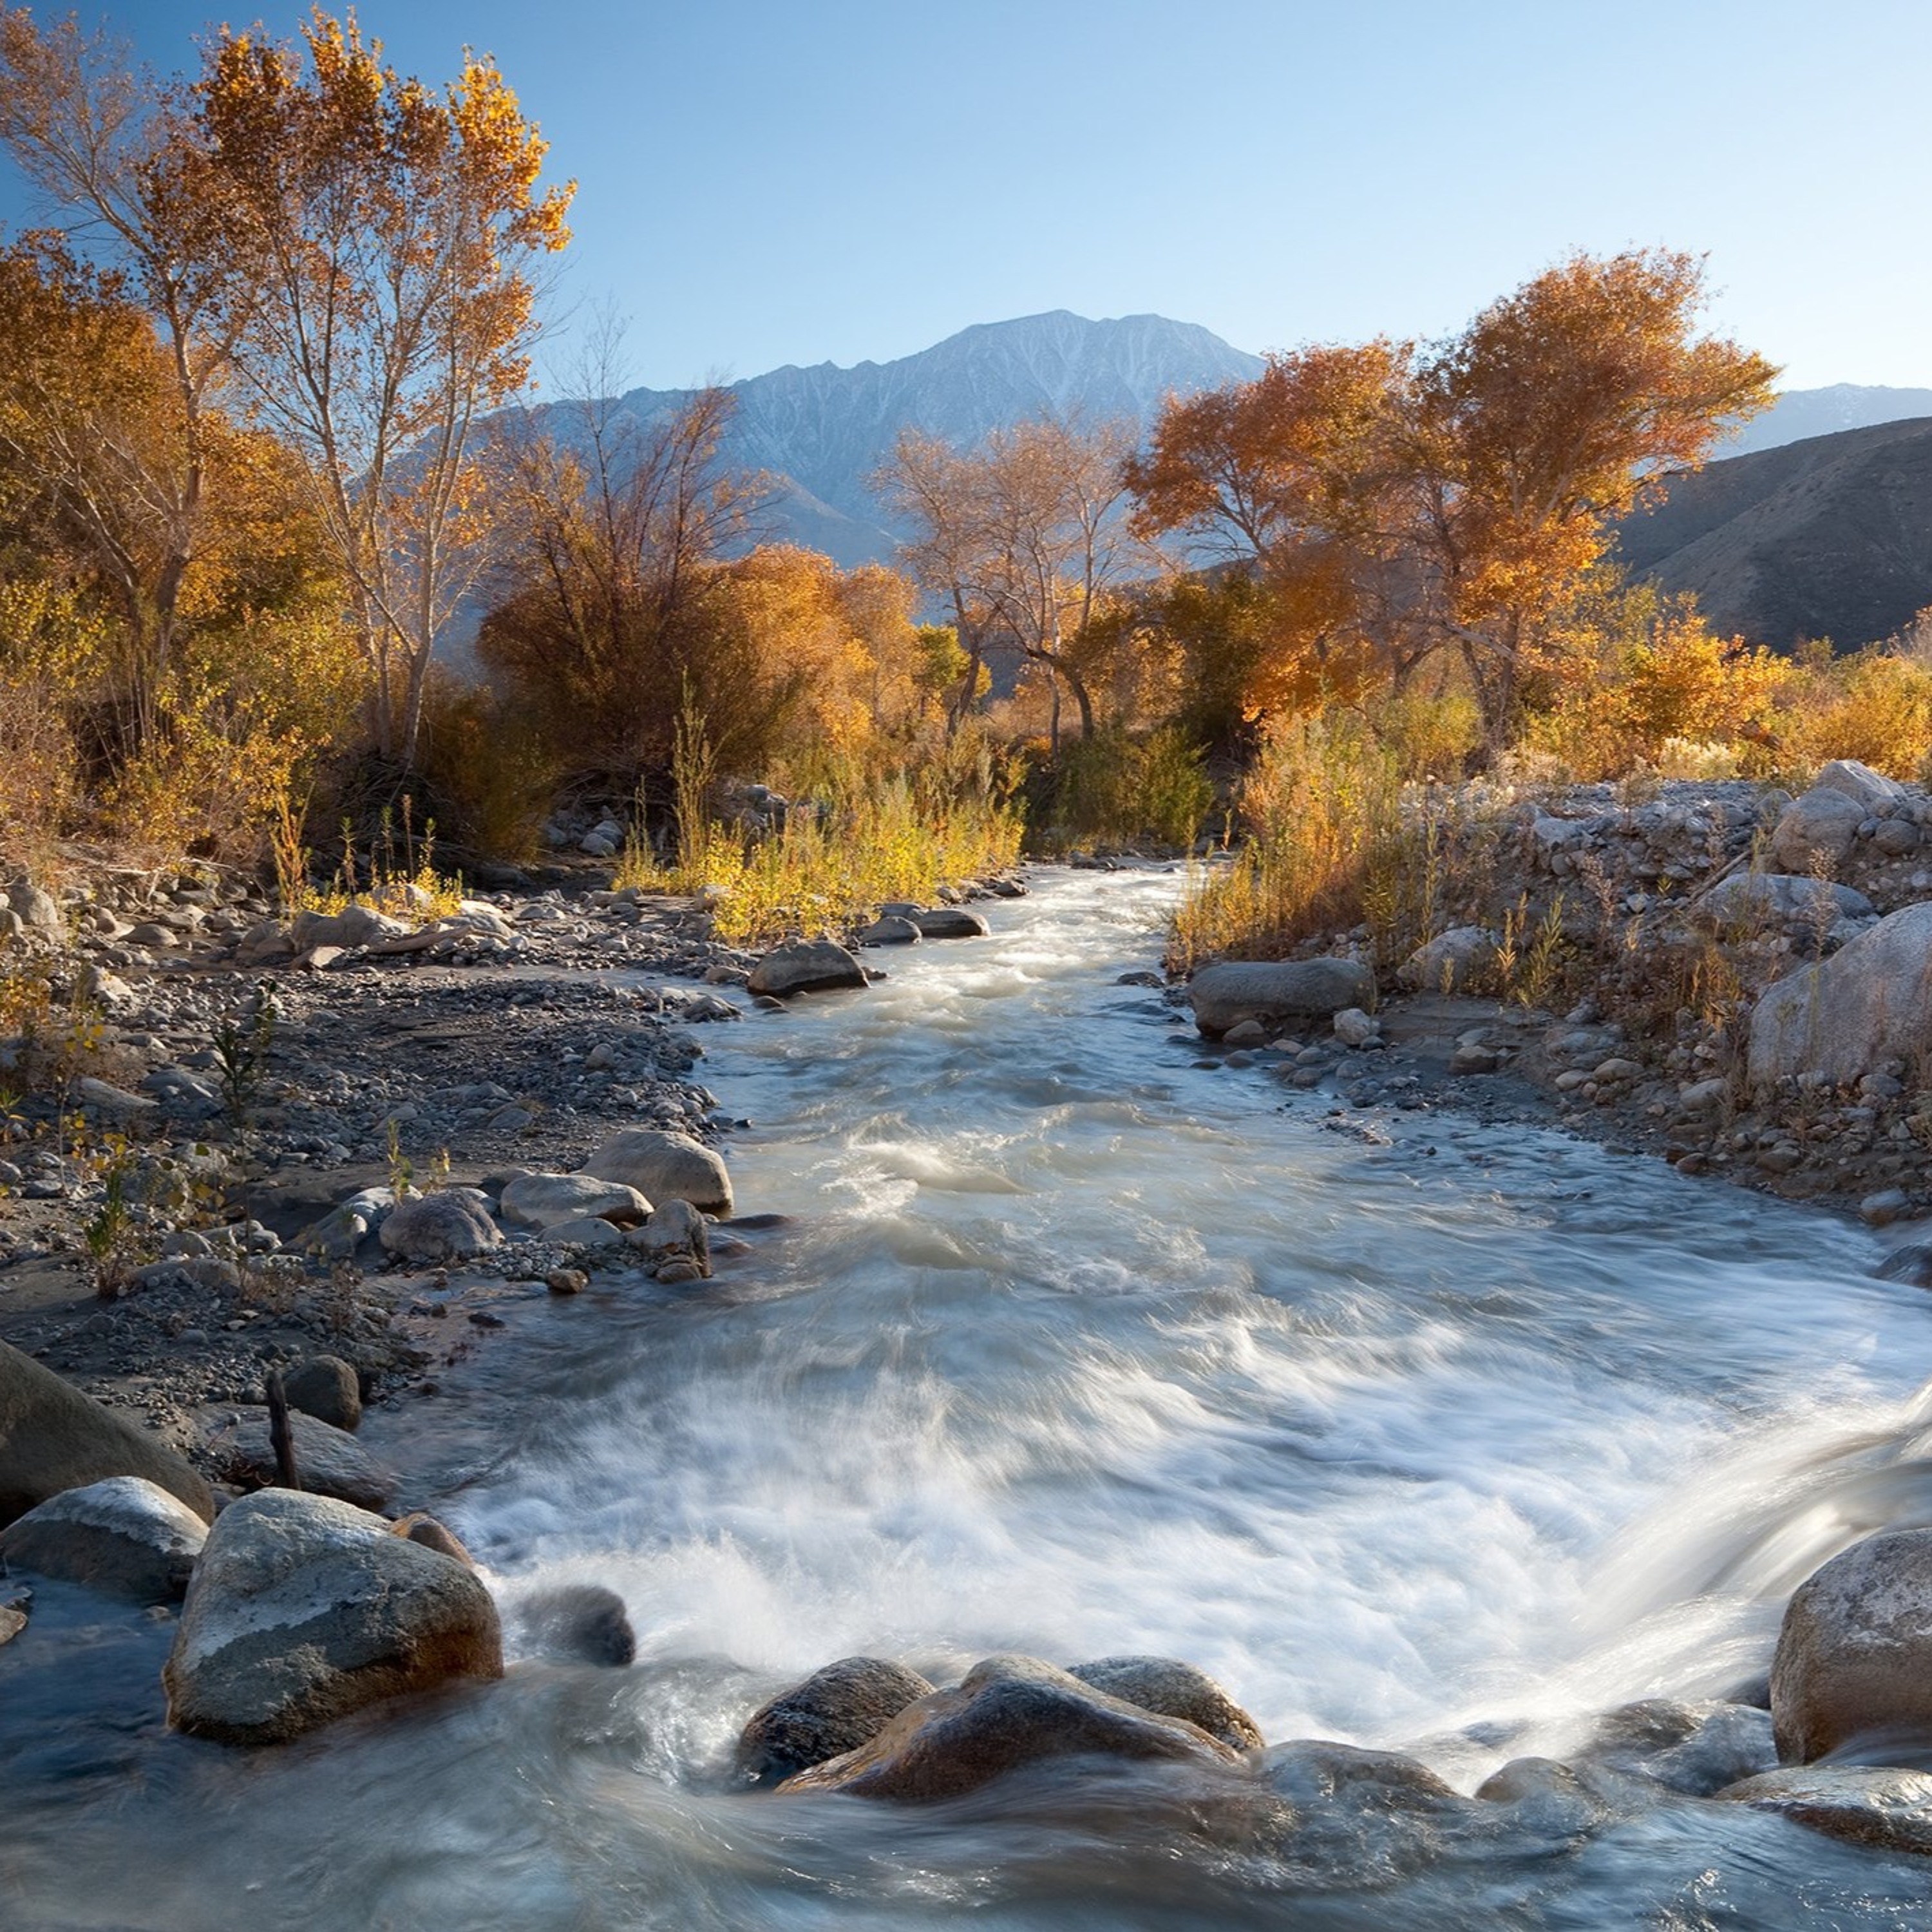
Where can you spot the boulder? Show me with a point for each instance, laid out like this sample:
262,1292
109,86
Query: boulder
836,1710
1872,792
1171,1689
578,1623
1871,1001
1010,1711
542,1200
890,930
1270,991
354,926
329,1462
664,1166
303,1609
1450,961
1889,1809
38,911
124,1535
1746,899
1697,1749
428,1229
1854,1653
52,1438
810,966
587,1231
1355,1028
326,1388
1816,829
951,923
419,1526
676,1231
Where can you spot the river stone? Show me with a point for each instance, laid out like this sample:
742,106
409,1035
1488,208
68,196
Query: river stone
811,966
1872,792
542,1200
53,1438
354,926
1450,961
1778,898
1871,1002
1888,1809
1854,1653
419,1526
303,1609
1270,991
676,1230
1009,1712
1819,829
836,1710
329,1462
326,1388
13,1621
664,1166
587,1231
579,1623
951,923
1697,1749
35,909
445,1226
1171,1689
890,930
124,1535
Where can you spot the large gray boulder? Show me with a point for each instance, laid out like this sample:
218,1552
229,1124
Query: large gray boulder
1816,829
125,1535
328,1388
428,1230
52,1438
1871,791
1172,1689
1871,1001
836,1710
1010,1711
1748,899
354,926
329,1462
664,1166
1271,991
543,1200
1450,961
1854,1655
811,966
39,911
303,1609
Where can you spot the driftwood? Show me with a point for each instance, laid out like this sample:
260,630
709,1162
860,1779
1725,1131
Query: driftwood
281,1436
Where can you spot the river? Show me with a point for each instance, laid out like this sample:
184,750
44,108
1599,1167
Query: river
1444,1438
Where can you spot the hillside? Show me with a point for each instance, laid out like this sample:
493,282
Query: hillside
1828,537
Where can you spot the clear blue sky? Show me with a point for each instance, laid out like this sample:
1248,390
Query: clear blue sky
797,181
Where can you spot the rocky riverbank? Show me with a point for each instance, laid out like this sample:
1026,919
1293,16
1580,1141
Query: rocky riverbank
1722,976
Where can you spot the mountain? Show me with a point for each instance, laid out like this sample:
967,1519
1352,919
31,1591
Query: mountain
822,431
1801,413
1828,537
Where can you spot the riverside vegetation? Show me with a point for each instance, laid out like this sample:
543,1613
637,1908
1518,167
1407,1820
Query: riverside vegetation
1468,812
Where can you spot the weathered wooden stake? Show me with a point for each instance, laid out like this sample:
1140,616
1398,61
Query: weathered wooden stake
281,1436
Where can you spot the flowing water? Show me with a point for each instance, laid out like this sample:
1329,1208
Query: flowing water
1079,1344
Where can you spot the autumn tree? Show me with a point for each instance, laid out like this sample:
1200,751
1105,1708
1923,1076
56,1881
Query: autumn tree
1555,413
376,283
101,144
1025,540
1395,505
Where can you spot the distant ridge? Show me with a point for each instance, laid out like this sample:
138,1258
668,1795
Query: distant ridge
1830,537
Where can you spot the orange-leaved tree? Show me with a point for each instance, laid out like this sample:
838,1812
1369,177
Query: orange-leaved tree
378,282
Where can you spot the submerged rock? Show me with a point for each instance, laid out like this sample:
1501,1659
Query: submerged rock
125,1535
1172,1689
1697,1749
1865,1805
303,1609
53,1438
1009,1712
951,923
836,1710
1854,1657
579,1623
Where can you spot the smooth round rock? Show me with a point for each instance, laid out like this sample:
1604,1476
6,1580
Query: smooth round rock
1172,1689
664,1166
834,1711
326,1388
125,1536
